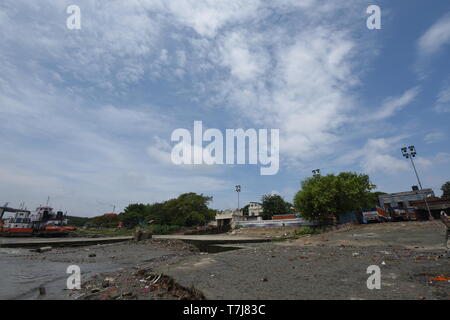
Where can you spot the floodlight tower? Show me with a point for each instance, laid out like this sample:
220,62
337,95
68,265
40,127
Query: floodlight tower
410,153
316,172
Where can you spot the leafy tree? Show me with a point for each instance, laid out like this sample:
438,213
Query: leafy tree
77,221
189,209
446,190
245,210
321,196
133,214
274,204
105,221
373,199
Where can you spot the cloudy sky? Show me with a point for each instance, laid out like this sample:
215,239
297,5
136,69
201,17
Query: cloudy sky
87,115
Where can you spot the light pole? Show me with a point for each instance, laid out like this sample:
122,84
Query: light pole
410,153
316,172
238,190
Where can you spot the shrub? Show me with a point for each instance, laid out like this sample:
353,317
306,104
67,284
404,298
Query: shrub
162,229
306,230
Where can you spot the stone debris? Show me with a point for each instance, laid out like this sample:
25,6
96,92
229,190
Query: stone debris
42,291
42,249
140,285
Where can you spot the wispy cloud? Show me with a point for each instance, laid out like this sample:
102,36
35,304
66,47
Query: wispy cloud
93,109
394,104
434,137
443,100
436,37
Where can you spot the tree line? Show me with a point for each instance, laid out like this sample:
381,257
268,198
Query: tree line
320,197
187,210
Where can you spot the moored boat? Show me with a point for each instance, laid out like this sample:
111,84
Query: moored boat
43,222
19,225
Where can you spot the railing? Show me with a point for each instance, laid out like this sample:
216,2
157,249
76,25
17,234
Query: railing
275,223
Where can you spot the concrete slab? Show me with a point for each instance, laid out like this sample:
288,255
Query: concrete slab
213,238
57,242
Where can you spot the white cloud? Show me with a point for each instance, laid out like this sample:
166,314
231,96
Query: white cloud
288,64
394,104
443,101
434,137
236,54
377,156
436,37
207,17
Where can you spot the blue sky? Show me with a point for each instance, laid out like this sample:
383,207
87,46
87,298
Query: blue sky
86,115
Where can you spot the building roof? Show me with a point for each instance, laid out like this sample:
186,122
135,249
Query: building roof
110,215
433,203
406,193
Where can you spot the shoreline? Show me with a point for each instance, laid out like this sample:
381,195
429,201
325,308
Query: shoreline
330,265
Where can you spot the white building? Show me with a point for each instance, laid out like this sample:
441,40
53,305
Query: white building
226,218
255,209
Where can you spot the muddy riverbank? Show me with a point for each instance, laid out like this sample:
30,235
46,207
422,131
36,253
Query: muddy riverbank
23,271
411,256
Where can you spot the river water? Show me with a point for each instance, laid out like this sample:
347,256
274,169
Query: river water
23,271
21,278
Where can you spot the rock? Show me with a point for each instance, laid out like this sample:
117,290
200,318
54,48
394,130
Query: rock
115,295
91,255
355,254
107,282
42,291
137,235
264,279
43,249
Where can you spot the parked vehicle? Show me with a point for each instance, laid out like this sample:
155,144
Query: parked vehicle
375,215
399,214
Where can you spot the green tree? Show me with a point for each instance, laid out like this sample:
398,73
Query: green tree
446,190
134,214
245,210
373,199
273,204
189,209
321,196
105,221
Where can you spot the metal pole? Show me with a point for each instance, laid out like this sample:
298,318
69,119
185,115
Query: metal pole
418,180
238,189
415,171
238,200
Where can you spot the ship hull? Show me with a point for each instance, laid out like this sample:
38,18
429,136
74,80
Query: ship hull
16,232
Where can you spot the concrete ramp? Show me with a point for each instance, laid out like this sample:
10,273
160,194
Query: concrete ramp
57,242
212,238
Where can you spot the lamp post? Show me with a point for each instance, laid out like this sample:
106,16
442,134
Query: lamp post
410,153
316,172
238,190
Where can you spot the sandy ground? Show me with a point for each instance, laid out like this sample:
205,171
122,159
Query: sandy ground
327,266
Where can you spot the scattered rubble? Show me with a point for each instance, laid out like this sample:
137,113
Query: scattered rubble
42,249
141,285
